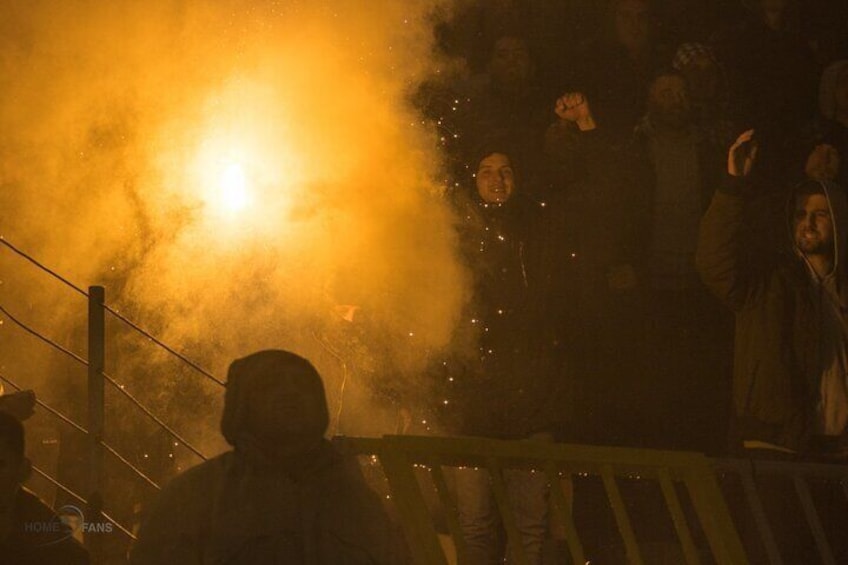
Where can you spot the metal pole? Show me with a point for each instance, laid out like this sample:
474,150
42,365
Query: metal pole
96,365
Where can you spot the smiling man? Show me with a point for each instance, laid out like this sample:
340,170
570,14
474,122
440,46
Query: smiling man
814,230
791,358
790,378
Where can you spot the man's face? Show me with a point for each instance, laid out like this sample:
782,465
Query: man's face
669,102
510,63
633,24
495,179
813,225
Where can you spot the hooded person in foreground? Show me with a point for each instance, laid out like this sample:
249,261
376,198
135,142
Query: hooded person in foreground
283,495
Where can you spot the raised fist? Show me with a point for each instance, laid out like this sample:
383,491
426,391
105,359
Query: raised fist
574,107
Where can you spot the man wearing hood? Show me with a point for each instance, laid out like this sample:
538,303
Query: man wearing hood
791,347
790,381
283,495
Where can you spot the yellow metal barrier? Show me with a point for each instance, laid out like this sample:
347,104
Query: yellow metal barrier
399,457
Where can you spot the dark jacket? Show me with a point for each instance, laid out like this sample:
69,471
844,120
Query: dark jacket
507,383
228,511
776,373
641,173
39,537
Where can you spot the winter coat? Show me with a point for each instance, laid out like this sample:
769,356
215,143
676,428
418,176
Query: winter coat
777,373
508,383
227,511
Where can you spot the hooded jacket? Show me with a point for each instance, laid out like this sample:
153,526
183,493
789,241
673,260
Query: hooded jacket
782,323
284,496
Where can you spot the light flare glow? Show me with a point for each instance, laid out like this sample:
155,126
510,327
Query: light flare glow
233,192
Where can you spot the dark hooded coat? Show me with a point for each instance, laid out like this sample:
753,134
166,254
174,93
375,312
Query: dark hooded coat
510,383
779,324
294,501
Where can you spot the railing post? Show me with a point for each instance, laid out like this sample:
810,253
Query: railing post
96,365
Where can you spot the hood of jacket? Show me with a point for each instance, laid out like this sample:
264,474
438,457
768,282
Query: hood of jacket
838,205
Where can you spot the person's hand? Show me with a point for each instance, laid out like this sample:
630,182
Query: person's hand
574,107
823,163
742,154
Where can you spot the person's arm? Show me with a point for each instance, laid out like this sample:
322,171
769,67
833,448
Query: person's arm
718,257
572,142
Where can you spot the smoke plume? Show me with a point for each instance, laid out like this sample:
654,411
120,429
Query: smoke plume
239,175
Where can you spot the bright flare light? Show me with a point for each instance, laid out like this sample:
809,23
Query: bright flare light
233,194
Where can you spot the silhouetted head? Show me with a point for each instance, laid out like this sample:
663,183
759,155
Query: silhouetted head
274,399
510,63
668,101
632,24
702,71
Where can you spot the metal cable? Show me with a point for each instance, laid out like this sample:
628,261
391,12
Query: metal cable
120,527
112,382
48,408
132,467
59,485
107,378
41,266
43,338
114,312
153,417
164,346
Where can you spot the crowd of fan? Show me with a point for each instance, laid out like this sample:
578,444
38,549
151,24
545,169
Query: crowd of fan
616,232
580,190
592,322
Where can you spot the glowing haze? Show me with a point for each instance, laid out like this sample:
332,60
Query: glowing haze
240,175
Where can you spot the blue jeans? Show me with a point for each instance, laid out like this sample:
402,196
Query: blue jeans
479,518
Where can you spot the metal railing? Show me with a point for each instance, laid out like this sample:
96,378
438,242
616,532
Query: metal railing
399,456
95,425
695,493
